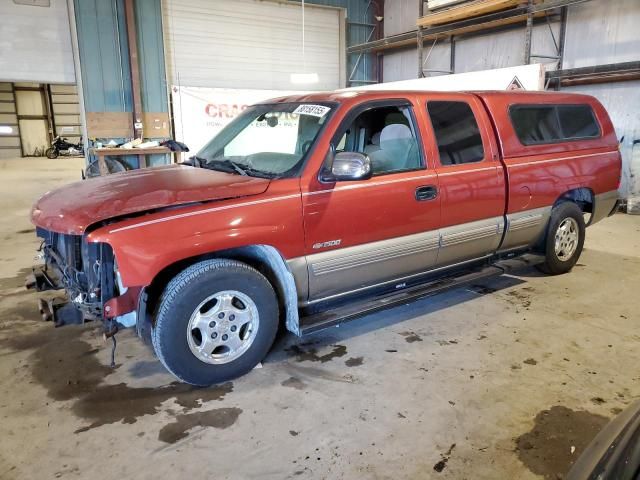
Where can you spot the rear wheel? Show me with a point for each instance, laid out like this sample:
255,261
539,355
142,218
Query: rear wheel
216,321
564,240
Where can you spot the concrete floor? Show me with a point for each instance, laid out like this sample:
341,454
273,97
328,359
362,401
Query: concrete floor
499,380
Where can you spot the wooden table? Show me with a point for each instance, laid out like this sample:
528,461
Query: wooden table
141,153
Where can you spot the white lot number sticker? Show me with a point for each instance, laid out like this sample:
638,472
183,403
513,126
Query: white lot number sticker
314,110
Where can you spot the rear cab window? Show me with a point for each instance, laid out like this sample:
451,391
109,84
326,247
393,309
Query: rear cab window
457,133
553,123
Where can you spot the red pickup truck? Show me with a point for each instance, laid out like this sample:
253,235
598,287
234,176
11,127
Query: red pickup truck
310,210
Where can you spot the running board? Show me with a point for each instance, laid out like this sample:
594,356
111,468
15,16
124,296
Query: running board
365,306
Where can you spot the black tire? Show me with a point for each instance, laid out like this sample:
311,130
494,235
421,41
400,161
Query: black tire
182,296
553,265
51,153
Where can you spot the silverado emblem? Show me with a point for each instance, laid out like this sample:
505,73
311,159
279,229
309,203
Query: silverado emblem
330,243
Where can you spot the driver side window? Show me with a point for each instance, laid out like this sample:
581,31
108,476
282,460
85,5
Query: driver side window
387,135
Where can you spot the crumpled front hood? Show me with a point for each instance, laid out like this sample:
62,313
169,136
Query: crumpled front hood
72,208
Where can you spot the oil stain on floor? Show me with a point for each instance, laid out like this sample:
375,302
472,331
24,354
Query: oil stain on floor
65,363
216,418
547,449
311,354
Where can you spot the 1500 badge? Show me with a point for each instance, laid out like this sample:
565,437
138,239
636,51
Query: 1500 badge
330,243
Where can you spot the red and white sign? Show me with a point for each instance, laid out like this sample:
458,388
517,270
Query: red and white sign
200,113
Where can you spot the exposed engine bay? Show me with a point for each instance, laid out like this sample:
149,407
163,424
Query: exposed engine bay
84,270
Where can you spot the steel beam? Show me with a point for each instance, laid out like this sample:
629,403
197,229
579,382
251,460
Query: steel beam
596,74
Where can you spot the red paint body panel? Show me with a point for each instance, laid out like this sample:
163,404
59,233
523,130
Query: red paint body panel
539,181
73,208
145,246
293,214
539,174
498,104
125,303
473,191
367,211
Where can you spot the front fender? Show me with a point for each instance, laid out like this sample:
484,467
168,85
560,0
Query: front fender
144,246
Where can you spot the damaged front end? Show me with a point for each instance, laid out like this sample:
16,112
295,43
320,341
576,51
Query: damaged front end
88,274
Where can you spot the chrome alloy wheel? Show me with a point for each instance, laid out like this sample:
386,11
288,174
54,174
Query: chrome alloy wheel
223,327
566,241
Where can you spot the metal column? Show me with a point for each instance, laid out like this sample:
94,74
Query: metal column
527,34
135,67
420,41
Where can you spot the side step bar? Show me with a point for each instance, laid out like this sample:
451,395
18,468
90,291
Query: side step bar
365,306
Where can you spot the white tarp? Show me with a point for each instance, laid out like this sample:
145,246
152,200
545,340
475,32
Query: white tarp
200,113
528,77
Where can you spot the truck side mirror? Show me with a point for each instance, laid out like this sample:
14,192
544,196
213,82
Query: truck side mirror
349,166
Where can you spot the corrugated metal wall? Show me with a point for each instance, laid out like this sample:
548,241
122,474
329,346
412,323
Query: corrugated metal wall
400,16
360,14
597,33
103,42
622,101
9,131
482,52
103,45
602,32
503,49
66,111
151,53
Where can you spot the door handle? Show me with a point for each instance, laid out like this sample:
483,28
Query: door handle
427,192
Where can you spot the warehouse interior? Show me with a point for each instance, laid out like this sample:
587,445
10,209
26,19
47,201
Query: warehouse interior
505,377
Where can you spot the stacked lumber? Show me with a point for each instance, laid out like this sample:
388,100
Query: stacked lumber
467,10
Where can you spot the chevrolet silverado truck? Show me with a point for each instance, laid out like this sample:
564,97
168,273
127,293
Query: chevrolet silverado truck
311,210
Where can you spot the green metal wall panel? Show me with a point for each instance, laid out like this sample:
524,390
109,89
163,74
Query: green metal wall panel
102,43
360,17
104,64
151,53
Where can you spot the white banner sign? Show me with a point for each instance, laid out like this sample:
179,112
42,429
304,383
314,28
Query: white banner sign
200,113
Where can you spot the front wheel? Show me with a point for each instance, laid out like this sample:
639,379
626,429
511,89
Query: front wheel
51,152
216,321
565,239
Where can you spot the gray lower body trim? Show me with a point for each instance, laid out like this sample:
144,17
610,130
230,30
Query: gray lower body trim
347,270
336,271
390,282
525,228
470,240
603,204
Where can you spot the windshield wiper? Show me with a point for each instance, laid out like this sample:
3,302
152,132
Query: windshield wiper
237,167
225,165
195,161
228,166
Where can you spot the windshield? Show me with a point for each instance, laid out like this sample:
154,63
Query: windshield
266,140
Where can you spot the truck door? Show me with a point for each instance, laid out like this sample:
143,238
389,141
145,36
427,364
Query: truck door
470,175
378,231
